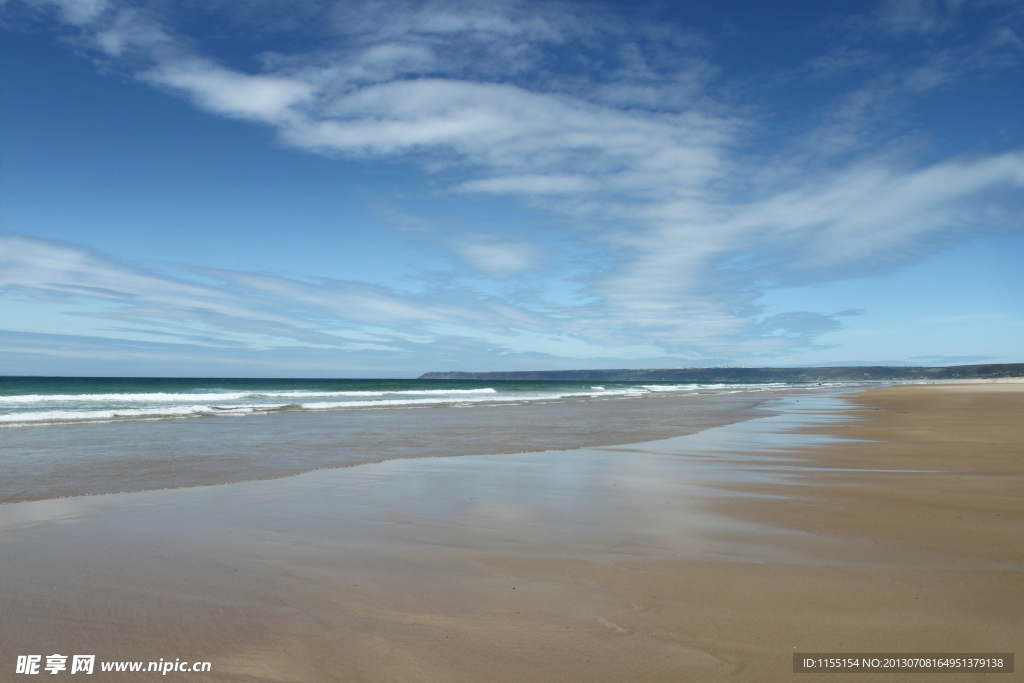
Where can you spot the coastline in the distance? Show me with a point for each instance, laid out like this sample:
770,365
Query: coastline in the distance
852,373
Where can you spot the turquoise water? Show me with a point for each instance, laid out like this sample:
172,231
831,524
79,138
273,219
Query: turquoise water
38,401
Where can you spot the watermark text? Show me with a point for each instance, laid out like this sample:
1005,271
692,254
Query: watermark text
86,664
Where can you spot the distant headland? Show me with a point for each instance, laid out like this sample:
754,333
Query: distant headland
863,373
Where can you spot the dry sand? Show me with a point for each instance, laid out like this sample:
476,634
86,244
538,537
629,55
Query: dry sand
710,557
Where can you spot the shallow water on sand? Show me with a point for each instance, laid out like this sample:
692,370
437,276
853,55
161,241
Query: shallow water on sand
49,462
644,491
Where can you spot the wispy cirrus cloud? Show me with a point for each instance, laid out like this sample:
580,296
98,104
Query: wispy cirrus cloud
215,307
710,265
615,126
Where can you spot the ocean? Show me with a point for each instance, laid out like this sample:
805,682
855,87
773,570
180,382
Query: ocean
85,436
43,401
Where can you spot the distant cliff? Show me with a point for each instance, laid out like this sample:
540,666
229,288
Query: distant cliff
842,374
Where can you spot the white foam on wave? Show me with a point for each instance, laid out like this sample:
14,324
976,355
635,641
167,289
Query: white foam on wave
221,397
197,410
520,398
126,413
220,404
671,387
122,398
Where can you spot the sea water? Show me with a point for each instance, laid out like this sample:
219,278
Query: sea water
41,401
75,436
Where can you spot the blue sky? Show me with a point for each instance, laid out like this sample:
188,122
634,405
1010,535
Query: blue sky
320,188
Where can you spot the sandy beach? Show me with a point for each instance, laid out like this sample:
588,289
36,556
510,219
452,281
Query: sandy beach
886,520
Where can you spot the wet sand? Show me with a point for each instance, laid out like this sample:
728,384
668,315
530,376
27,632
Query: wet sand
709,557
73,460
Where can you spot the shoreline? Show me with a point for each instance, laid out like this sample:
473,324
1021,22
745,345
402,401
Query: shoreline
712,556
63,461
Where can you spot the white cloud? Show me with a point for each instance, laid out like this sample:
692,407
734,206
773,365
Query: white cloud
261,98
850,223
506,98
500,259
76,12
218,307
534,184
918,16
